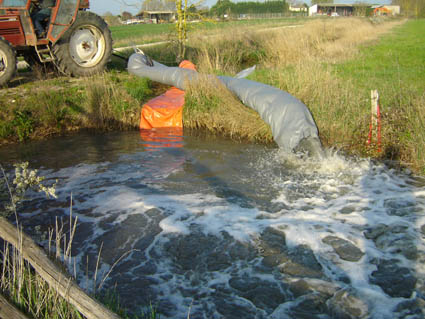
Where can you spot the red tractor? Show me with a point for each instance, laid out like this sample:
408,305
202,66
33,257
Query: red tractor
76,41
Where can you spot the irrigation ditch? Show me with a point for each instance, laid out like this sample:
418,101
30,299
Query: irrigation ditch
49,107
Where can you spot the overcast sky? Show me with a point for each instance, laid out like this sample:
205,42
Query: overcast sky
118,6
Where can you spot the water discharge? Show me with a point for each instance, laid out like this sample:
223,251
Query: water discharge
219,229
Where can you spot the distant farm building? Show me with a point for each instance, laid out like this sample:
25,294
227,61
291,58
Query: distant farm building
343,9
386,10
157,16
331,8
297,8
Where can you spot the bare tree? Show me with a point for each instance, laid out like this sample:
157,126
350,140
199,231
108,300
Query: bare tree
130,4
321,1
154,5
126,15
184,11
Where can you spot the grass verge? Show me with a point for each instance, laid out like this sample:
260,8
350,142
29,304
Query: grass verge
395,66
110,101
331,65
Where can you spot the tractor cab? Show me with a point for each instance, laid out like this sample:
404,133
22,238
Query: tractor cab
17,27
77,41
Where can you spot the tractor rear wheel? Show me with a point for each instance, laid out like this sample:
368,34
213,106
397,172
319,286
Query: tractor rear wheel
7,62
86,47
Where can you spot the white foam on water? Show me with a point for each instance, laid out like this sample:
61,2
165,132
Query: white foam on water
336,197
365,188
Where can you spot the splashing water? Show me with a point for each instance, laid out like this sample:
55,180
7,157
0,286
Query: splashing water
224,230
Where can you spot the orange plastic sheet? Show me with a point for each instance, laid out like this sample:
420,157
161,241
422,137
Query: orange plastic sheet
165,110
160,138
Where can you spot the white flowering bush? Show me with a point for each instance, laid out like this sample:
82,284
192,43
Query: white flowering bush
24,180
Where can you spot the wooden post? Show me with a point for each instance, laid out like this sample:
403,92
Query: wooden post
7,310
375,119
374,98
67,288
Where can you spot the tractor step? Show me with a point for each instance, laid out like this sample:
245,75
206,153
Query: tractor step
44,53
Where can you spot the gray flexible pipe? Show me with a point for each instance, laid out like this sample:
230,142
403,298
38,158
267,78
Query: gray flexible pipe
291,122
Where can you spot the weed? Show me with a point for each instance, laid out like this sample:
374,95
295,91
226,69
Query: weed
138,88
6,129
110,106
111,299
23,124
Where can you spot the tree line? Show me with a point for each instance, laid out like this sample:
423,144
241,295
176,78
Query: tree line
412,8
248,7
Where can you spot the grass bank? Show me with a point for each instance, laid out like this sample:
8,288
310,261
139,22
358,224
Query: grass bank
331,65
395,66
110,101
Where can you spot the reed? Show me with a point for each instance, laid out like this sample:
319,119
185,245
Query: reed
36,298
26,289
110,101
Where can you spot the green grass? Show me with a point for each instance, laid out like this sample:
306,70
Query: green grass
252,22
123,32
395,66
127,35
105,102
395,62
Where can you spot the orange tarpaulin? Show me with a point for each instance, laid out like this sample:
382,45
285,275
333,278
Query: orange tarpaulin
165,110
160,138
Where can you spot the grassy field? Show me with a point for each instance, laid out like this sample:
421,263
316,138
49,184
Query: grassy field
398,59
395,66
127,35
331,65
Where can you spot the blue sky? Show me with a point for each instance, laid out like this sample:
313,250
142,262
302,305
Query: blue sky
114,6
118,6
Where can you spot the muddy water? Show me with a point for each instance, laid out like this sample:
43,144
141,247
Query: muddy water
218,229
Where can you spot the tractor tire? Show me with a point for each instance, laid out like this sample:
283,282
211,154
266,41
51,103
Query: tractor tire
7,62
86,46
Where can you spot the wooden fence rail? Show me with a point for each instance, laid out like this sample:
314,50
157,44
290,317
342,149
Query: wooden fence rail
64,285
9,311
